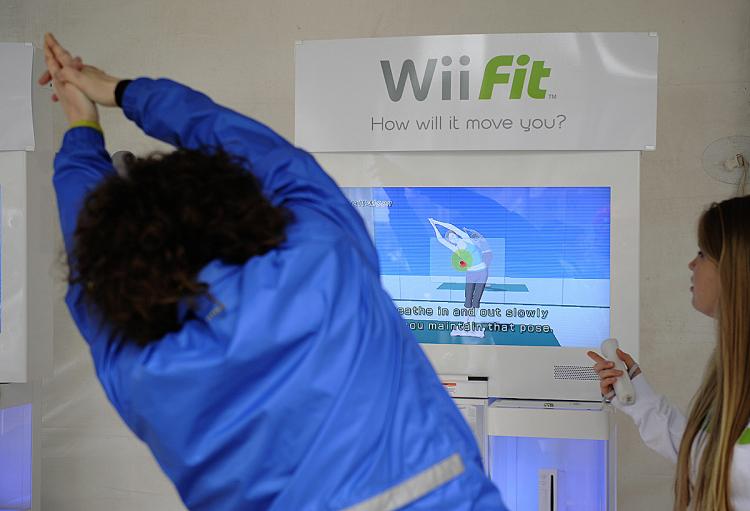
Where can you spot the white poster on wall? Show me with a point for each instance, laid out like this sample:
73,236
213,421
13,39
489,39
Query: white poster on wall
574,91
16,121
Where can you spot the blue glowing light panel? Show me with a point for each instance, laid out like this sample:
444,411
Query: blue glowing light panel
15,457
519,466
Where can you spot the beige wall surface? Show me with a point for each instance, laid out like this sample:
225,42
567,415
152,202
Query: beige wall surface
241,52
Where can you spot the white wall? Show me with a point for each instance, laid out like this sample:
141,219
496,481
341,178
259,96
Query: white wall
241,52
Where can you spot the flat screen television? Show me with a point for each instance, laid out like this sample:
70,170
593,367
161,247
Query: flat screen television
507,266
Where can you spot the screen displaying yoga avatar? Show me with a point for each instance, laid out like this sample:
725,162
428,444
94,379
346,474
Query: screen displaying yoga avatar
506,266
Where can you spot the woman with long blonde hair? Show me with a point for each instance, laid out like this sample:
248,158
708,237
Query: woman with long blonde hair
712,446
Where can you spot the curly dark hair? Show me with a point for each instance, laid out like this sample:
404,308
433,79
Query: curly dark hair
142,238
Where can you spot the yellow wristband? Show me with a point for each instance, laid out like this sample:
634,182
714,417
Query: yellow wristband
86,124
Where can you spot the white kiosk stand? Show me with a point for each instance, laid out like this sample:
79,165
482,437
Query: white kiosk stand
27,235
548,441
524,147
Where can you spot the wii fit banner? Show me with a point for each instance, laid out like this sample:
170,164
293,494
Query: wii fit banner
590,91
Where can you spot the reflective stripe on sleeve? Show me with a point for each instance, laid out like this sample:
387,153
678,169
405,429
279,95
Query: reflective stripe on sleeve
415,487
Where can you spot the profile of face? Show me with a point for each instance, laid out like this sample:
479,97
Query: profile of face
705,284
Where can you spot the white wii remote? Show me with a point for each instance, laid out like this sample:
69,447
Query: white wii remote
623,386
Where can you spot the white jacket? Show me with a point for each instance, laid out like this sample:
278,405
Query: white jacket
661,426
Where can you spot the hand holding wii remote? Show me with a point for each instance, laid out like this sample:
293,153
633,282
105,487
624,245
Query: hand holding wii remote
623,386
615,371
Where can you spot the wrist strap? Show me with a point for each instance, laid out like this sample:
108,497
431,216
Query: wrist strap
120,90
633,369
86,124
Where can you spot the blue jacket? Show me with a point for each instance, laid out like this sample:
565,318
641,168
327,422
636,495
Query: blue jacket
306,391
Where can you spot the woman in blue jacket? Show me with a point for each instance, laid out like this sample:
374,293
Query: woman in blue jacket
236,319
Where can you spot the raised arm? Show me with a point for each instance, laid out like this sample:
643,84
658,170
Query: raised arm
166,110
451,227
439,235
184,117
187,118
82,161
80,165
178,115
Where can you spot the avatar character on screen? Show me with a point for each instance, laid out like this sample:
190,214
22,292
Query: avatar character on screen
472,255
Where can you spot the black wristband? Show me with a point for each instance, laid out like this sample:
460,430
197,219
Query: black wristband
120,90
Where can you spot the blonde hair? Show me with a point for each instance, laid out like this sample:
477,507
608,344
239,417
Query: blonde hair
721,408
